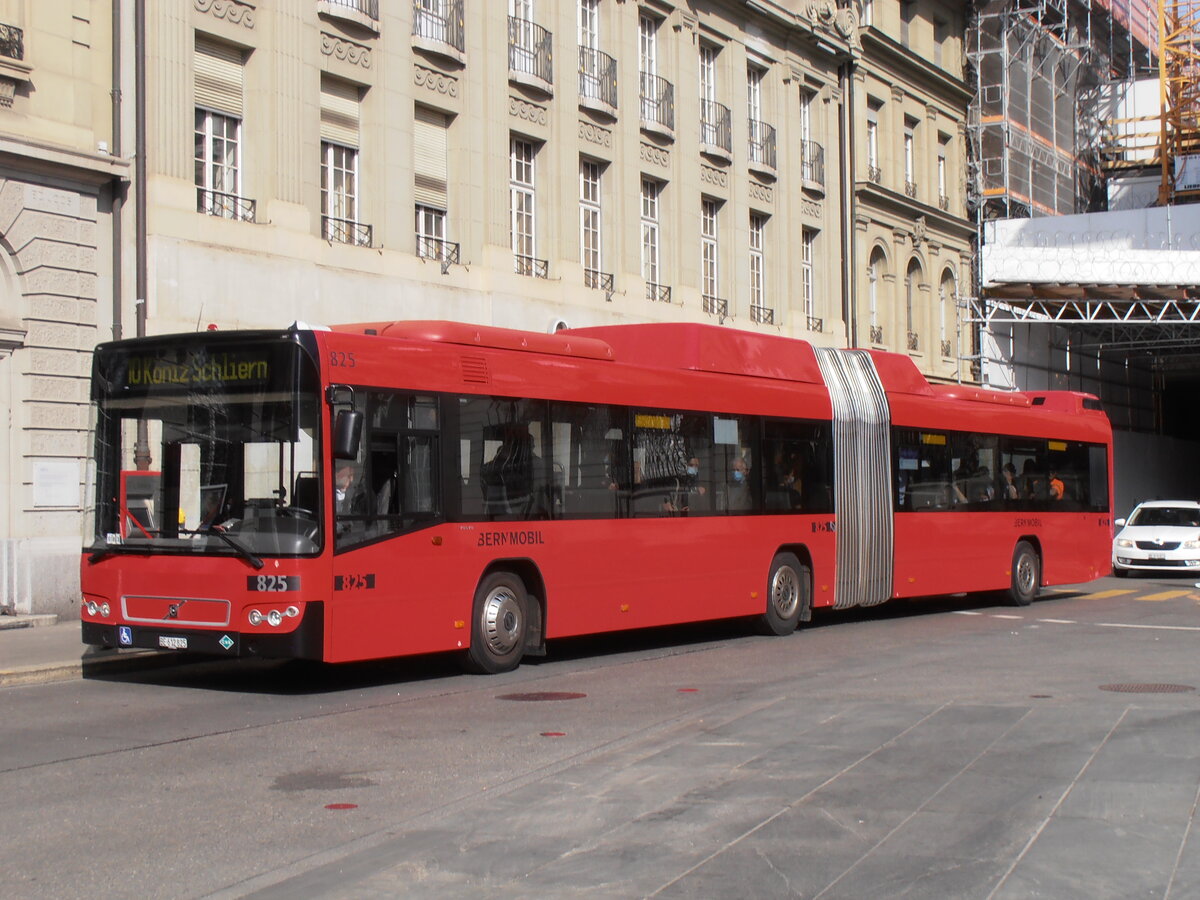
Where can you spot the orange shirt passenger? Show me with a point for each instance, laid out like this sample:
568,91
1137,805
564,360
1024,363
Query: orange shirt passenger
1056,486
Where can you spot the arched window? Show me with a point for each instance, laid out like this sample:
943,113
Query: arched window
875,272
912,281
946,297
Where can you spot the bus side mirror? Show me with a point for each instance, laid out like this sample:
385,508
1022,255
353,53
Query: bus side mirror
347,431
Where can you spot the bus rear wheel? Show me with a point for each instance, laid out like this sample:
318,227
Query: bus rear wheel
499,621
1026,574
787,594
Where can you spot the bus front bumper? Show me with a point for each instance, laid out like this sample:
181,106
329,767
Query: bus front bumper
306,641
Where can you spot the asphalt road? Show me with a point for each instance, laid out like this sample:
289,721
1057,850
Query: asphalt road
943,748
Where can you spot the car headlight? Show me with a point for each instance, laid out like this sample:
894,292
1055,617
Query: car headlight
1124,542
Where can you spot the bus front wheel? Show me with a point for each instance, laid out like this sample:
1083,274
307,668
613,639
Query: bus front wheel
1026,574
498,624
787,594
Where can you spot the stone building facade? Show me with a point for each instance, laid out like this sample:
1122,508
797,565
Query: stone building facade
58,180
529,164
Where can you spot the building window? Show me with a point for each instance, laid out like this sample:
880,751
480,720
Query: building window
873,171
715,128
647,45
910,157
218,164
522,205
945,298
758,308
943,149
339,193
912,280
875,272
340,165
218,131
807,274
589,24
710,285
651,249
589,221
430,178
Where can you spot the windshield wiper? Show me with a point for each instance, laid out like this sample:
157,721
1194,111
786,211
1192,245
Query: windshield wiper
241,549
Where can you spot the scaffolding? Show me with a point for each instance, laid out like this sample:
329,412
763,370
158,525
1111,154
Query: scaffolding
1179,88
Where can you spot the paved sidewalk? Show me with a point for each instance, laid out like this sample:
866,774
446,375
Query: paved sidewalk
41,649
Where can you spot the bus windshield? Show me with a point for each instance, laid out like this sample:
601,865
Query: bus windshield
208,445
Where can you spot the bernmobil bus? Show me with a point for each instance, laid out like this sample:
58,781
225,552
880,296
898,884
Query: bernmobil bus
385,489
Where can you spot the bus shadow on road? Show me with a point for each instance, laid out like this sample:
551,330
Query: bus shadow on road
302,677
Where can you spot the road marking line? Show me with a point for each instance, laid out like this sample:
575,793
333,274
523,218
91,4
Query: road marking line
1165,595
1149,627
1001,616
966,612
1115,592
1059,621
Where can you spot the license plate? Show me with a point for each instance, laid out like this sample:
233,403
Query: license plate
1158,556
172,642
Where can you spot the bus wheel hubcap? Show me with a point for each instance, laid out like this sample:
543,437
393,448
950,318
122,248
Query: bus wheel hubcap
785,591
1025,574
501,621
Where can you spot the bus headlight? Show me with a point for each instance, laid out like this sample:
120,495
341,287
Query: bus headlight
255,617
92,607
291,612
105,609
274,618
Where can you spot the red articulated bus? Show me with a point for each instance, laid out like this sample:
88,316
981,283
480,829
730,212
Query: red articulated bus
384,489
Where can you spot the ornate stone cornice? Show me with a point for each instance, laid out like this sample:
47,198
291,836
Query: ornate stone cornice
530,112
594,134
656,155
761,192
437,82
710,175
347,51
234,11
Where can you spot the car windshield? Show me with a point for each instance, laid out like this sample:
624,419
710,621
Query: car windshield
1165,515
206,446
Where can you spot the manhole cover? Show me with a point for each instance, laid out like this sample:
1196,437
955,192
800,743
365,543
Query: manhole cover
1148,688
535,696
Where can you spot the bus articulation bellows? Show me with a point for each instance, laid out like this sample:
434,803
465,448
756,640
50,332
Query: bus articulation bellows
385,489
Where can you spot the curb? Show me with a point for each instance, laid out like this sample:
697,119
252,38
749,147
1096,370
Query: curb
90,666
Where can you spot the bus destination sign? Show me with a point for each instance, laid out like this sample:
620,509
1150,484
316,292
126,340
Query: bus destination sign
208,370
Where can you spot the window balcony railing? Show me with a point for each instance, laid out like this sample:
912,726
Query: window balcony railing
910,189
716,306
946,349
812,162
368,8
715,131
443,24
445,252
529,50
531,266
914,341
600,281
597,77
658,102
876,334
874,174
763,315
12,42
816,324
660,293
224,206
762,144
345,231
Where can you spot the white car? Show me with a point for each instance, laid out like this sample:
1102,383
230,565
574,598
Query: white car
1159,536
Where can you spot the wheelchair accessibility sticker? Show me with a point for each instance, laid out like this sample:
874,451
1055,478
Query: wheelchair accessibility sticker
124,635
